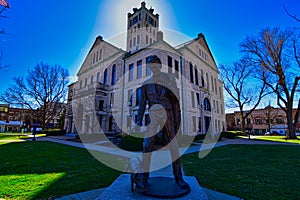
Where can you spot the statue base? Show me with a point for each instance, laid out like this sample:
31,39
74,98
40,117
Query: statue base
121,189
165,187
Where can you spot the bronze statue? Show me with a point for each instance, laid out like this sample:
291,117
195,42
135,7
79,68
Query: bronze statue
165,95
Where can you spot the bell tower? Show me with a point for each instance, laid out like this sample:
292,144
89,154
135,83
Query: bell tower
142,28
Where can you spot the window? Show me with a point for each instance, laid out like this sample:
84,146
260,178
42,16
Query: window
193,99
138,95
150,40
97,56
207,106
110,123
216,86
93,58
196,77
113,75
222,112
134,41
100,54
194,124
147,39
105,79
92,79
148,70
170,64
98,77
198,98
130,77
129,98
218,111
101,105
220,91
138,39
81,84
139,69
176,68
112,99
130,42
199,124
191,73
85,82
202,79
207,80
212,83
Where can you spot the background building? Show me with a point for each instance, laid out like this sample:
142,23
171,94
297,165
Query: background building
261,121
107,70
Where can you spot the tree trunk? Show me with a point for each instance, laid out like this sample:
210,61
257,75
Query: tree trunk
243,124
291,133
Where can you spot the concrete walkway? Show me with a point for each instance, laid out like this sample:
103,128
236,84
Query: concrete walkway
166,171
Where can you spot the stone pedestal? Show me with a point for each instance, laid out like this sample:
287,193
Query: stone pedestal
120,189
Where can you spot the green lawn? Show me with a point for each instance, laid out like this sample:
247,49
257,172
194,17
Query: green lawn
277,139
39,170
249,171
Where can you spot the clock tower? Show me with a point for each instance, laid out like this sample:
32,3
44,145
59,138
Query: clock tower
142,28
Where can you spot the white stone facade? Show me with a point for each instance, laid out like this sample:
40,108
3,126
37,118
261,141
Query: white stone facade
109,75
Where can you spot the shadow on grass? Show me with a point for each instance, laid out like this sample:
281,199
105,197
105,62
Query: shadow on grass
43,170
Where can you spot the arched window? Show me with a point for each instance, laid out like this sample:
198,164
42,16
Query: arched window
207,106
105,79
98,77
92,79
85,82
113,75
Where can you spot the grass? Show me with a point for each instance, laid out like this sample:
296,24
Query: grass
277,139
15,136
43,170
248,171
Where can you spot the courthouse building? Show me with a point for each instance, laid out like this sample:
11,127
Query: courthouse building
107,92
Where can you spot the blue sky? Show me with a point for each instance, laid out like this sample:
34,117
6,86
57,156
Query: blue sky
62,32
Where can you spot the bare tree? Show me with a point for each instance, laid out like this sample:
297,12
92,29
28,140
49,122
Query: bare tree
43,88
275,53
291,15
242,87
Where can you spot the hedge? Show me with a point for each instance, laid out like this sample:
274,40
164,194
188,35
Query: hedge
130,143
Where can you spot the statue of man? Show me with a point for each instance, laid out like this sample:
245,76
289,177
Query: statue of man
162,101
